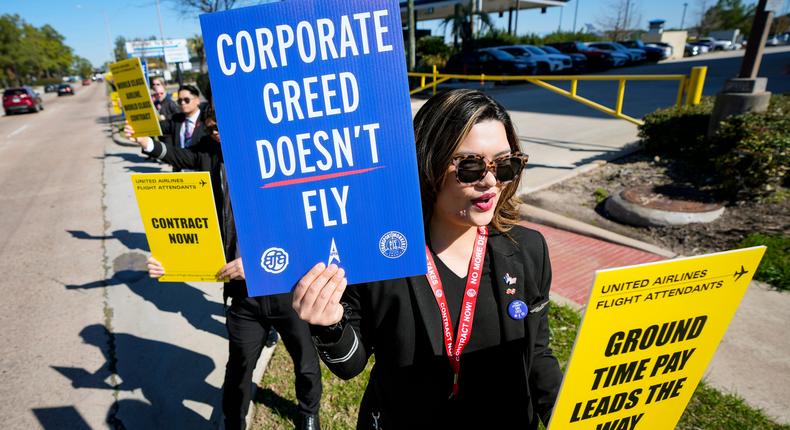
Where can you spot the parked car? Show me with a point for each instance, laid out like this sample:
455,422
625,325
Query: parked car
21,99
654,53
491,62
86,82
705,46
65,90
691,50
547,63
715,45
668,49
51,88
778,40
578,61
596,58
634,55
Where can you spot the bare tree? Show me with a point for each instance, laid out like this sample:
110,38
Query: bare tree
194,7
620,17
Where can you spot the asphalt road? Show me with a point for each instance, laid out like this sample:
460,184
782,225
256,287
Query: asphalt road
50,194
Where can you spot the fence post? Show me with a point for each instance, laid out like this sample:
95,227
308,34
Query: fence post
435,73
696,84
574,83
681,90
620,96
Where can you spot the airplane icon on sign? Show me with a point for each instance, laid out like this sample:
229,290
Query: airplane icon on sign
740,273
202,183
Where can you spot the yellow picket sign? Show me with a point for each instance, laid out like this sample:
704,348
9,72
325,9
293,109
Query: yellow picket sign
135,98
116,106
648,334
181,224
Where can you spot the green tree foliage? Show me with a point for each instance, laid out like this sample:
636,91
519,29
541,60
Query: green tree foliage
461,23
195,44
29,53
728,15
82,67
120,48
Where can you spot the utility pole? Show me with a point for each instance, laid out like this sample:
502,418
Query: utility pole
162,42
625,17
756,45
559,26
109,37
518,9
575,13
747,92
683,18
412,37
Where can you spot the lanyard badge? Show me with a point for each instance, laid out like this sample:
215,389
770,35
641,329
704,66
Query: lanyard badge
467,308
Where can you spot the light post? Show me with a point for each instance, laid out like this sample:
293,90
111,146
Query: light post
575,13
683,18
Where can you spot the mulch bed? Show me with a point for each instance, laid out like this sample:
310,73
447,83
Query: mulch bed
576,198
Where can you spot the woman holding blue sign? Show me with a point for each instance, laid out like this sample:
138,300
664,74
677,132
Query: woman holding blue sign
466,344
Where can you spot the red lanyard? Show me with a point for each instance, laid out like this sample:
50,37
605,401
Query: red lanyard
468,307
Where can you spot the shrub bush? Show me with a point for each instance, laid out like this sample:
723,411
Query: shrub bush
753,153
775,267
750,153
677,132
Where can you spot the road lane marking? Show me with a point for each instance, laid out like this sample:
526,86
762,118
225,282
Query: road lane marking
17,131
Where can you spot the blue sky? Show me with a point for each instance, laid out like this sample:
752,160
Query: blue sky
82,22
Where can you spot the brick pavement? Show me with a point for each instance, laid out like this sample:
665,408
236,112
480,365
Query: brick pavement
575,258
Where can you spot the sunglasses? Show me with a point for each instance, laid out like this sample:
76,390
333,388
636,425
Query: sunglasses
184,100
472,168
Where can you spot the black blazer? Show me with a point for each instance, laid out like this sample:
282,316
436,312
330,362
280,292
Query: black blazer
171,128
383,318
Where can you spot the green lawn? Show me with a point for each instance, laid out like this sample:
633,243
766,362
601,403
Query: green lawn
275,403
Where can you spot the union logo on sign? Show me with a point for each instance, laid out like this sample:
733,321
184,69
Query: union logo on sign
393,244
274,260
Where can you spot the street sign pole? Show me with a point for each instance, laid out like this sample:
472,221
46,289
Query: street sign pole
757,38
747,92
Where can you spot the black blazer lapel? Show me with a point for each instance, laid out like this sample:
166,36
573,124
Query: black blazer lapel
429,312
512,282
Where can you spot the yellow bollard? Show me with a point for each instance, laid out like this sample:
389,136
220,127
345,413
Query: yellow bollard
696,84
482,79
620,96
435,73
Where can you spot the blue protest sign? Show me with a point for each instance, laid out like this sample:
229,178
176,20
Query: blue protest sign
314,115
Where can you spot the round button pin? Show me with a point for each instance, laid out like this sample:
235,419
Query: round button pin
517,310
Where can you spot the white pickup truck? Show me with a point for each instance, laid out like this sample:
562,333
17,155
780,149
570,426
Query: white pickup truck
717,45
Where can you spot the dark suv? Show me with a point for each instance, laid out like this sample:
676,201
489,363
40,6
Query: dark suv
491,62
596,58
22,99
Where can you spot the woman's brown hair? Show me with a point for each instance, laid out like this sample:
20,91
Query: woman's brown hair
439,128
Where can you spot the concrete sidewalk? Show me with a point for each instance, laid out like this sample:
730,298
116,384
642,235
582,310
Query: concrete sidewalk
170,341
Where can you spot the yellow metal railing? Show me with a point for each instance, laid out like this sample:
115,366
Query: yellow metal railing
691,86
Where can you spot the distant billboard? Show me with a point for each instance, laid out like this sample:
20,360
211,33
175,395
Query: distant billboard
174,50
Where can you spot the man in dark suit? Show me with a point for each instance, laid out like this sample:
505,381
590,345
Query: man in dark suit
165,106
186,127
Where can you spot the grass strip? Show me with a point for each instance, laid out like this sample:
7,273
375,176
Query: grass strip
275,401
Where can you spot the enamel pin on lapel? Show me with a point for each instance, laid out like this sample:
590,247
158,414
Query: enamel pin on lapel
510,291
517,310
509,280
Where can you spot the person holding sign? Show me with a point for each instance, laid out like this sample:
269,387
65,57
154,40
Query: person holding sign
249,319
467,344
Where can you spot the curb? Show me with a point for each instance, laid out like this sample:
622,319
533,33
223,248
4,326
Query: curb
116,137
627,150
542,216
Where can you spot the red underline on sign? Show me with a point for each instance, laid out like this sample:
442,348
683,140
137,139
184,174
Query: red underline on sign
318,178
